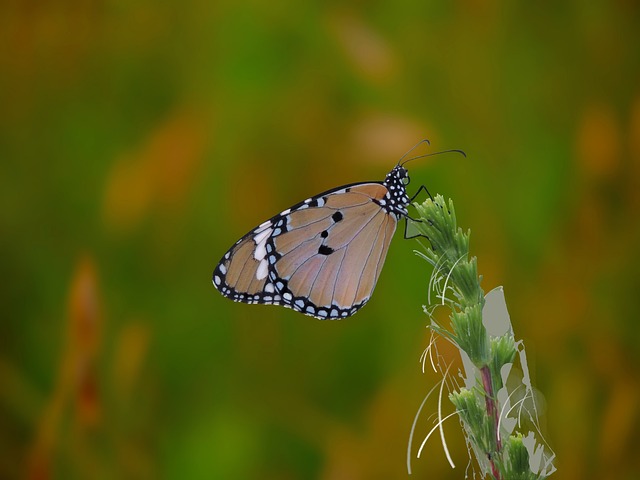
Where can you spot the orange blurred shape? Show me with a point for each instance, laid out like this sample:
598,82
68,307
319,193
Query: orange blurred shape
85,320
88,399
128,194
174,152
131,350
85,332
369,54
156,174
634,147
249,181
76,382
598,142
377,449
634,130
620,415
348,453
621,410
383,137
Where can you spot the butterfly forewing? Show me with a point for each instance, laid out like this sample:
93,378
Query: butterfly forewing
239,268
321,257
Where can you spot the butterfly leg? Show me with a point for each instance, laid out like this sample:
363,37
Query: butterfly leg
406,227
417,220
408,217
422,187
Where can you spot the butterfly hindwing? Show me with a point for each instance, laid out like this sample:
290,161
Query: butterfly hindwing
321,257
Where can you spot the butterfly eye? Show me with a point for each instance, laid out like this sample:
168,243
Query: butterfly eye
405,180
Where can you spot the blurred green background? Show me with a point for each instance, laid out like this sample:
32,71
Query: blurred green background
139,140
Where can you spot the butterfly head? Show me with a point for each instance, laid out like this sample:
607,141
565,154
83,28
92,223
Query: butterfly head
396,200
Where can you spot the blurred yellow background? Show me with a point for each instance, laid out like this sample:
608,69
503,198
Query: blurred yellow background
139,140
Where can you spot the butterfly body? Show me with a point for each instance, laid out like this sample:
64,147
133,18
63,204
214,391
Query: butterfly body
321,257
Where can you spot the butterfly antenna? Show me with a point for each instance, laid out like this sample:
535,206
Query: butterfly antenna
431,155
412,149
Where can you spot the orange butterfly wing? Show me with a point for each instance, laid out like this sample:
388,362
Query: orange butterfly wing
321,257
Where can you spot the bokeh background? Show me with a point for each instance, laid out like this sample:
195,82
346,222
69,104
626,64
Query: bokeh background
139,140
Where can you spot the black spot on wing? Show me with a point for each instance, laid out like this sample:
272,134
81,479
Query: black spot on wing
324,250
337,217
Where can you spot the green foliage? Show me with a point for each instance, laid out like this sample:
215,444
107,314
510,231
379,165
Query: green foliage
516,461
478,425
456,280
448,252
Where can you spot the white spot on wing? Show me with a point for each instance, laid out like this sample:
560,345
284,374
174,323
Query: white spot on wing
261,242
262,227
260,252
262,235
263,270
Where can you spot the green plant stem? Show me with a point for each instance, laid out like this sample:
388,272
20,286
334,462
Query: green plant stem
459,287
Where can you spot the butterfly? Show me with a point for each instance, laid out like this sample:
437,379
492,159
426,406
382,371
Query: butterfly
323,256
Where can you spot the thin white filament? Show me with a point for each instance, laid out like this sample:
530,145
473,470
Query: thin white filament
444,442
413,426
444,290
433,430
423,357
428,351
505,406
432,342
